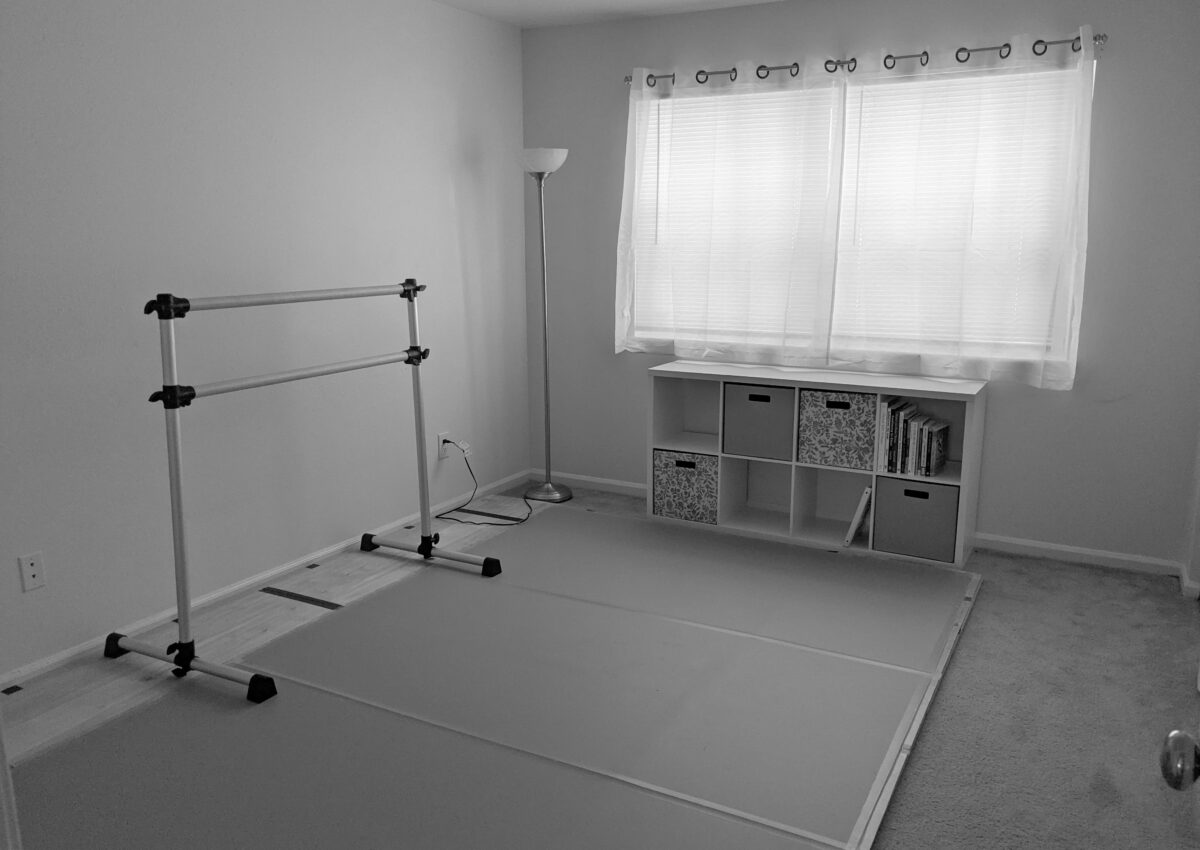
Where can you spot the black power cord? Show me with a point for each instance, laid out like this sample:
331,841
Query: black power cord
475,489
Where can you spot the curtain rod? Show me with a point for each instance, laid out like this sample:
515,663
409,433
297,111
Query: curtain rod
963,54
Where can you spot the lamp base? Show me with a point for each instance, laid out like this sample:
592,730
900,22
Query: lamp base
549,492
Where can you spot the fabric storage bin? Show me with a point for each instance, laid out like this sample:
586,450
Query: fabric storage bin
837,429
915,518
758,421
685,486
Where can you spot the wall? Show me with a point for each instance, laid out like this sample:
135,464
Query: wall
223,148
1103,471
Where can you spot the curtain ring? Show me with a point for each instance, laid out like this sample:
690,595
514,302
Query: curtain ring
1039,43
964,53
702,77
764,71
831,65
889,61
924,57
1076,45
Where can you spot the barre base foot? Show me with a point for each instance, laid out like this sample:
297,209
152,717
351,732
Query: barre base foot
491,567
368,543
260,689
112,646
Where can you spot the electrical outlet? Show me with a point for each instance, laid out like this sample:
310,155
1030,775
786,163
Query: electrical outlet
33,572
443,446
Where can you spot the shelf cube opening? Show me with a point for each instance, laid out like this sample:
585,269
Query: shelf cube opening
755,495
687,414
825,502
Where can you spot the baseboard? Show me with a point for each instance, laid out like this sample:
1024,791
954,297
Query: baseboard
1080,555
95,644
608,485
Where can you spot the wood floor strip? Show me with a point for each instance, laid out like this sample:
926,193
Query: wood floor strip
300,597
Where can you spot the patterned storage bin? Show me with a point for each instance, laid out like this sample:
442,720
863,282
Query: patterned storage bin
837,429
685,486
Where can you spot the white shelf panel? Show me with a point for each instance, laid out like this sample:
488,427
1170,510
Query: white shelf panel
950,474
825,379
825,533
694,442
757,520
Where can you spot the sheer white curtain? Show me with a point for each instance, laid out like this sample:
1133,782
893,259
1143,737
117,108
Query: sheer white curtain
925,218
729,220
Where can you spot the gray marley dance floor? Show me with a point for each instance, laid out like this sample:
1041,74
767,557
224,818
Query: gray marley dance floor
622,683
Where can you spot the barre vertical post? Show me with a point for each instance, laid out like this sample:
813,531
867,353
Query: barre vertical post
416,355
170,372
490,567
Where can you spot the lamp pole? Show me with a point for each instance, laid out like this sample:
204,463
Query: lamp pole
547,491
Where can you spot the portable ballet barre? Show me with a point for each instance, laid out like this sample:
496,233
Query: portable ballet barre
174,396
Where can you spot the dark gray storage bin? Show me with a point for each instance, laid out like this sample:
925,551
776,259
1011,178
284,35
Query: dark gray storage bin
685,486
758,421
837,429
915,518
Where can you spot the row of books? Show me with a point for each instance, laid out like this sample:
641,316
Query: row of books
910,442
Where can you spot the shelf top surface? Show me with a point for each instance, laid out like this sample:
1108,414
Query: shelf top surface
861,381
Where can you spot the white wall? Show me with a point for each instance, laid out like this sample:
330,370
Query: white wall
1105,467
227,147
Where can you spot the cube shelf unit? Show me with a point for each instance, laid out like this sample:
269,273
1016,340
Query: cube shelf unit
786,453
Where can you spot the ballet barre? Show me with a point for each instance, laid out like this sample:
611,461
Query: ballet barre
175,396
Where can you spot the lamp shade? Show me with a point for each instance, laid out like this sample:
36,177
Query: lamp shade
543,160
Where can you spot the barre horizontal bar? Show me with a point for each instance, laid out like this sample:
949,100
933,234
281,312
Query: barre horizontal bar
235,384
224,302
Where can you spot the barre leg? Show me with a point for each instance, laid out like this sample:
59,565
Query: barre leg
490,567
182,653
427,548
259,688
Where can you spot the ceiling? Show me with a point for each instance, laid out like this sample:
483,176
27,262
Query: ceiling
545,13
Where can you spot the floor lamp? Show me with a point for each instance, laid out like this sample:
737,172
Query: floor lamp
540,163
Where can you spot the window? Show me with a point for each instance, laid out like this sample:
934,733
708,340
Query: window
931,222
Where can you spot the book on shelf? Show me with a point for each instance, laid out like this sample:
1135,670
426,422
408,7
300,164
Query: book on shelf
939,439
909,442
860,514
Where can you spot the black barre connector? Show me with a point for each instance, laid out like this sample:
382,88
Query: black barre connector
167,306
425,550
410,289
185,654
416,354
174,397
